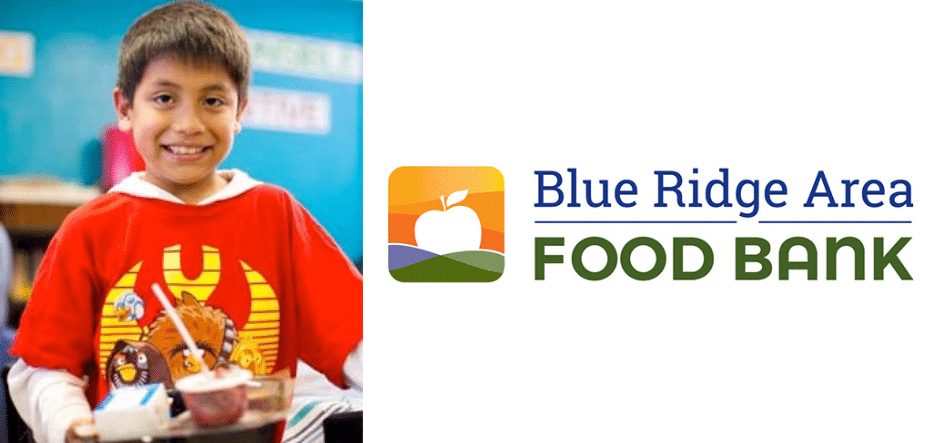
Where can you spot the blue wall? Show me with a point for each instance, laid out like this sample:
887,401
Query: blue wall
50,123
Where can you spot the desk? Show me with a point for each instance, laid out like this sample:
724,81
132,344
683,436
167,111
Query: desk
37,206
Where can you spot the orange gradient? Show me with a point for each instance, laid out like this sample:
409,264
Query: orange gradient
414,190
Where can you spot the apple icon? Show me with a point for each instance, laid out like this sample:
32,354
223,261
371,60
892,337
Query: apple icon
451,230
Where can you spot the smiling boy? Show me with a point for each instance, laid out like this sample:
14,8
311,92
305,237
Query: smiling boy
251,271
183,117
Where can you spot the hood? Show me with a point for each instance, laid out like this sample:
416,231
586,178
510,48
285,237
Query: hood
238,182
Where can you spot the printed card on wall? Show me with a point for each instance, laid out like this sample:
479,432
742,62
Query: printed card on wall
17,53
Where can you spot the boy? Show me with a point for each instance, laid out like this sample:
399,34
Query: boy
254,277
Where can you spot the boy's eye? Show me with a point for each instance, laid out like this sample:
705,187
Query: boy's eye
214,101
162,99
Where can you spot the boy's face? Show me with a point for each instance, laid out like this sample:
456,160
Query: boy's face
183,118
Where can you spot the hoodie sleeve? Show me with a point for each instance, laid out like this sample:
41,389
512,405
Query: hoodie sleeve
329,298
47,400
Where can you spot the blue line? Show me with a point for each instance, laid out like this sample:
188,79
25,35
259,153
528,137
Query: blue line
567,222
149,393
633,221
835,221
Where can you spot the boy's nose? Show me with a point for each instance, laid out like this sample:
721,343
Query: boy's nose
188,121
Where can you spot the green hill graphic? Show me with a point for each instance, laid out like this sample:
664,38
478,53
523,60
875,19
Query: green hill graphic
466,266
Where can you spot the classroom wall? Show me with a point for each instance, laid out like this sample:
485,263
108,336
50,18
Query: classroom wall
51,121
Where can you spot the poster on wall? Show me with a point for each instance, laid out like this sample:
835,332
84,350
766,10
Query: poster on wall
287,111
302,56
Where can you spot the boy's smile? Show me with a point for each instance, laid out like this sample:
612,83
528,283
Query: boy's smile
183,118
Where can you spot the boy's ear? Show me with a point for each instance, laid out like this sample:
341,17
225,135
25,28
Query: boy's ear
122,106
239,115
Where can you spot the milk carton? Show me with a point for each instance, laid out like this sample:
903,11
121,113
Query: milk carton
132,412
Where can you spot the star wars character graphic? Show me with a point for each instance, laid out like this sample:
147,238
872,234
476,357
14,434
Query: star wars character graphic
129,307
213,333
136,364
248,339
247,355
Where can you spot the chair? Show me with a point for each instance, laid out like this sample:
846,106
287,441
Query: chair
16,430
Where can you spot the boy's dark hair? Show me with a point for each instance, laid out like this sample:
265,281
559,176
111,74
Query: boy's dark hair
194,31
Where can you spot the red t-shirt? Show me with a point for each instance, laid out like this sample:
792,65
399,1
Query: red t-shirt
255,278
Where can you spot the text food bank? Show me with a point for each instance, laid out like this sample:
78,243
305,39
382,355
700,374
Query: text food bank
549,251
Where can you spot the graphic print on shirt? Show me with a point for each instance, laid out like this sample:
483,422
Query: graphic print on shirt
137,364
212,330
129,307
132,353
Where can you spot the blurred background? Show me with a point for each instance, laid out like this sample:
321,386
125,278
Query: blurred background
59,146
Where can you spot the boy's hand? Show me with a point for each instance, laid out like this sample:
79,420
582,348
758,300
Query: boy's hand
80,430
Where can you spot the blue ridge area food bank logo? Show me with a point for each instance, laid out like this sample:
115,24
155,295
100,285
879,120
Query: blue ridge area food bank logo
446,224
756,258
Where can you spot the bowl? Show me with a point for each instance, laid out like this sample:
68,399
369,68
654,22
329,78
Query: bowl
215,398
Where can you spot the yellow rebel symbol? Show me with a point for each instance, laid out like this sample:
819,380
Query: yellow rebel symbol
200,287
263,325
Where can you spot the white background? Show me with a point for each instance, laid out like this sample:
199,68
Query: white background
770,90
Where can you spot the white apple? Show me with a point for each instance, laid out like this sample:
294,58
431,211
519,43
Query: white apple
451,230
